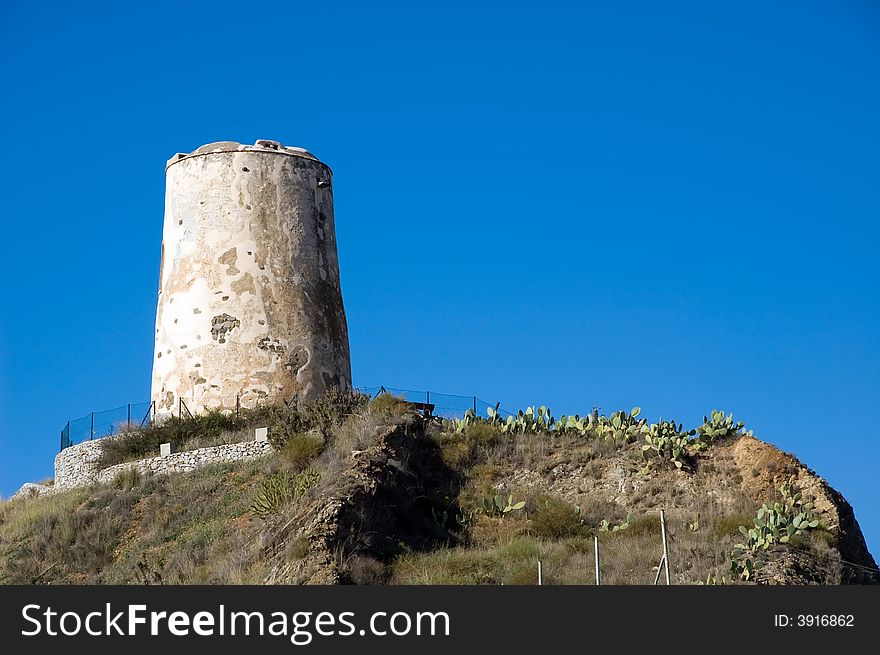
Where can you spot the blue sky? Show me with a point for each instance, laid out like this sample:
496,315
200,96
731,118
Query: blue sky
669,205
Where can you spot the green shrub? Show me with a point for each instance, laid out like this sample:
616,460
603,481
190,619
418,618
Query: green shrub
215,426
199,431
284,423
331,408
128,446
557,519
301,450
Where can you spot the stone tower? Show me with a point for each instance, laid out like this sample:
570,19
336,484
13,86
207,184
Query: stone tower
250,306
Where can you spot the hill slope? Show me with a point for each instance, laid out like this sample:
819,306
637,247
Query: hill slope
376,494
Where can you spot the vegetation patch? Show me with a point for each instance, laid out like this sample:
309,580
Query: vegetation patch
557,519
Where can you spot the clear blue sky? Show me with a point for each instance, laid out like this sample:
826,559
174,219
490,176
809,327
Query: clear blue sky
664,204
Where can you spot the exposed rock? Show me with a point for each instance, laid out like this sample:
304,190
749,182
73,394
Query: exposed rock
31,489
383,503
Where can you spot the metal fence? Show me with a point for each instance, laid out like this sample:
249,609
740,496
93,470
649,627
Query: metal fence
95,425
445,405
106,422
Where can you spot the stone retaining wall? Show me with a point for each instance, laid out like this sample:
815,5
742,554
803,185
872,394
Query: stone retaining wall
189,460
77,466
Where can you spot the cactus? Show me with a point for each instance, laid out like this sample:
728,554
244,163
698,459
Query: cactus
573,425
497,505
494,415
718,426
605,526
622,427
459,426
668,442
712,580
773,524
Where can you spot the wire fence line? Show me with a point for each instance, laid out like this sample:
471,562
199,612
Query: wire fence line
445,405
104,423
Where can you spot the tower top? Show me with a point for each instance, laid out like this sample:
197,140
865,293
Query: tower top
261,145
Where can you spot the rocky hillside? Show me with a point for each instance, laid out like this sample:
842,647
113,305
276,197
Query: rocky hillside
373,494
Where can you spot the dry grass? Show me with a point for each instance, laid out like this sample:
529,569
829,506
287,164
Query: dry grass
200,527
704,511
627,558
191,528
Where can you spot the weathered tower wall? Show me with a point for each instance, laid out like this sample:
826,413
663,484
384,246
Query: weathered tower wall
249,298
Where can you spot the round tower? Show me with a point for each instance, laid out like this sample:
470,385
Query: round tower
250,307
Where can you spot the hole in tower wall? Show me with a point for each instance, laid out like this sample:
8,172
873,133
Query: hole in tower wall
222,325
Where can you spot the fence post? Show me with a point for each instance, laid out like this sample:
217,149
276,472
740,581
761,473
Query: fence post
596,547
475,404
665,551
92,428
427,397
659,571
540,574
128,422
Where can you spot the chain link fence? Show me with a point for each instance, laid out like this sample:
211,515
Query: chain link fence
96,425
106,422
445,405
